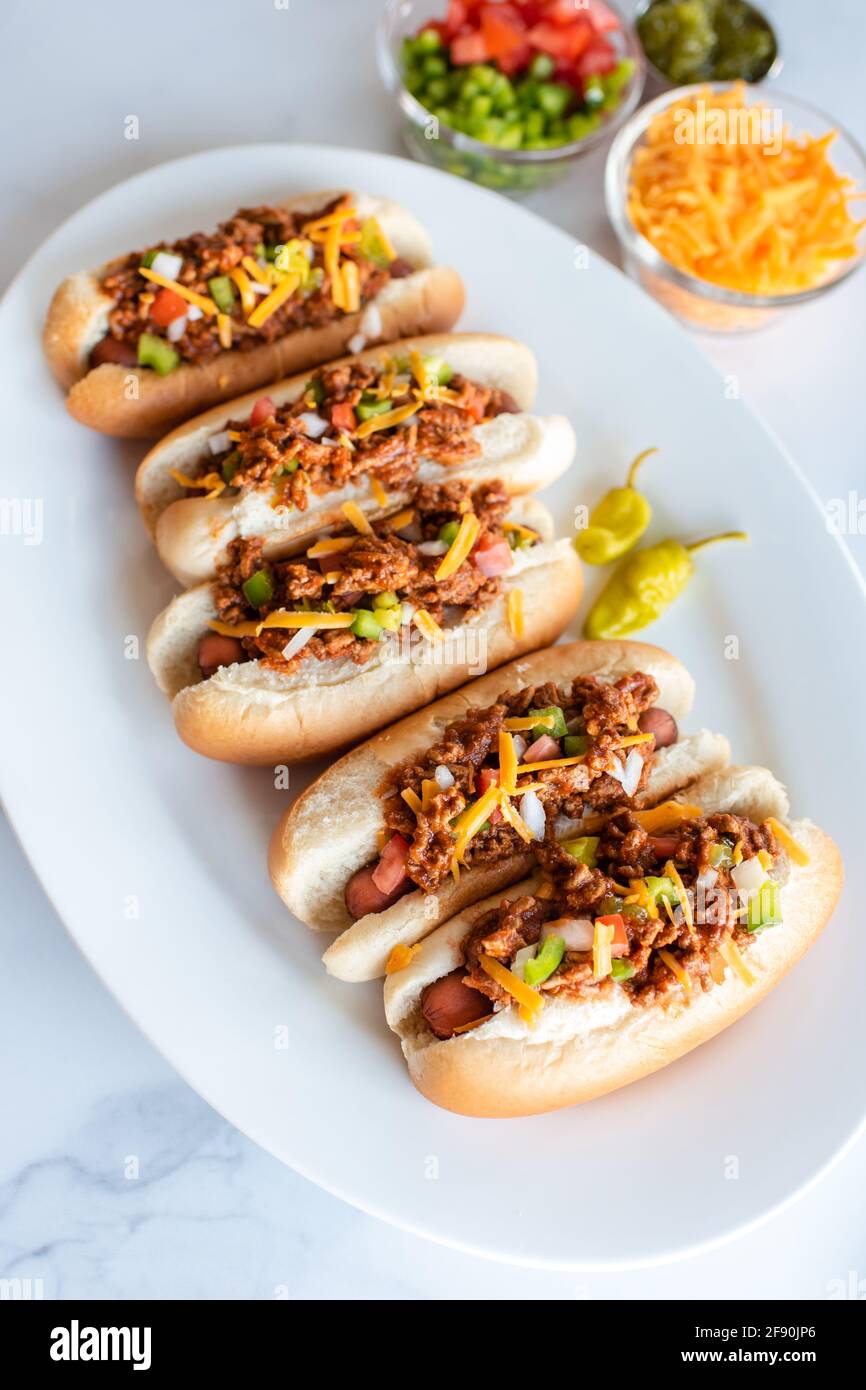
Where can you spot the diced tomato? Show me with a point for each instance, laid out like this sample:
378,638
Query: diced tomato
565,44
665,846
619,945
390,872
343,416
503,30
597,60
488,777
263,409
564,12
542,750
492,555
455,18
468,48
166,307
602,17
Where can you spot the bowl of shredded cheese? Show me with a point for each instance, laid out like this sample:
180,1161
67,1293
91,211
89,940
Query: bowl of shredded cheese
732,203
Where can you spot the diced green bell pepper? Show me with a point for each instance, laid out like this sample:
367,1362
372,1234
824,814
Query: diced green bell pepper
230,465
438,369
315,388
765,907
369,406
556,729
621,969
387,599
222,292
366,624
584,849
258,589
575,745
661,888
538,969
448,532
157,353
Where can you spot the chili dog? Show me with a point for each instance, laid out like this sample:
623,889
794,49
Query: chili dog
363,429
276,661
595,972
444,807
156,336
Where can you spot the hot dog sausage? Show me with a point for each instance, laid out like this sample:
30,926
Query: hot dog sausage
362,896
661,725
215,651
448,1003
113,350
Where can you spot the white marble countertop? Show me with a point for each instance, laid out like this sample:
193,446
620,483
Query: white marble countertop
209,1215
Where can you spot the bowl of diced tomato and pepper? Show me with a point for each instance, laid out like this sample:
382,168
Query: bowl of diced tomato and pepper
508,92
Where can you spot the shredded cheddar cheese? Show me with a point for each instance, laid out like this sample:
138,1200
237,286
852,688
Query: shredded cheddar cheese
282,618
400,957
676,970
351,287
224,331
400,519
507,762
459,548
724,203
378,492
242,280
384,422
427,626
412,800
602,941
528,998
330,546
529,721
514,818
212,483
682,895
731,956
514,612
470,821
794,850
255,271
352,512
273,301
201,301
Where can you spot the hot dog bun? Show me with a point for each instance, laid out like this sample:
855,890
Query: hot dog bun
249,714
341,807
428,300
191,534
580,1050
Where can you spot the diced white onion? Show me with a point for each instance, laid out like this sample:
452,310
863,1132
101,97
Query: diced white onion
520,745
707,880
194,312
309,251
532,815
176,329
632,772
407,614
578,933
218,443
258,288
749,875
371,322
357,343
444,777
314,424
433,548
166,263
518,965
615,768
300,639
330,440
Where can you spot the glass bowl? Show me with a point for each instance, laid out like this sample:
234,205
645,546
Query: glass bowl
658,82
700,303
433,142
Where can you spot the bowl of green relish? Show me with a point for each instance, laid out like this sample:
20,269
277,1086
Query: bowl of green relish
686,41
508,93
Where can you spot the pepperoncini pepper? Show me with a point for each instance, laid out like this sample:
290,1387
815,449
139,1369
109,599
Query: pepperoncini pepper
617,522
644,585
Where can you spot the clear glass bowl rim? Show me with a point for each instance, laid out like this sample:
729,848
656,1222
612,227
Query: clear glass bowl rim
635,244
466,144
